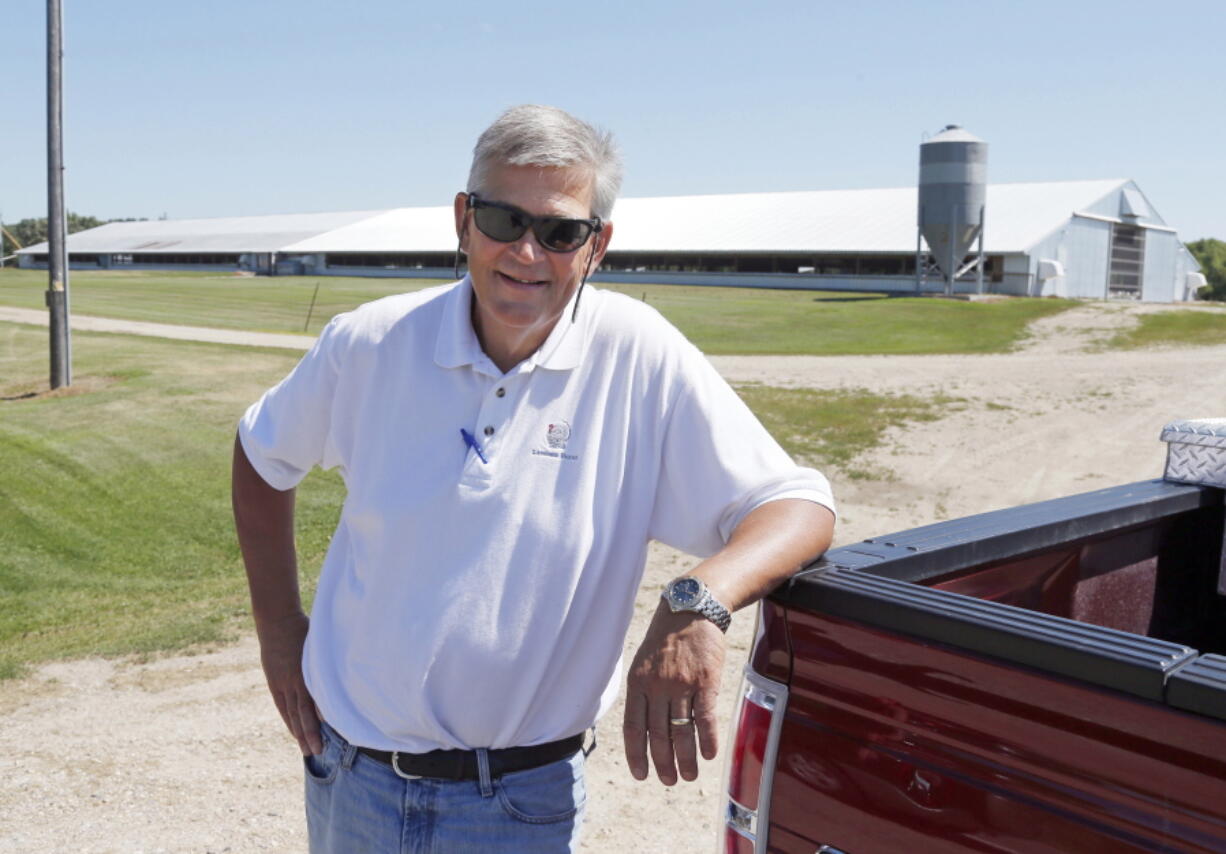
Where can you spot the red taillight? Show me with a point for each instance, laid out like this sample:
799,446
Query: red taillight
748,751
755,739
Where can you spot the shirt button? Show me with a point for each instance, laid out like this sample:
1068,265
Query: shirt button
502,392
489,431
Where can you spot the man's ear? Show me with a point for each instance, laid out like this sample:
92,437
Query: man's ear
602,244
461,218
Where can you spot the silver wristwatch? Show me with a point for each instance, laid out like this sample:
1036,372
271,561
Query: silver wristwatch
690,594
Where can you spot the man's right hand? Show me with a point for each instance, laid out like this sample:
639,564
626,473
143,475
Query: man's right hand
281,643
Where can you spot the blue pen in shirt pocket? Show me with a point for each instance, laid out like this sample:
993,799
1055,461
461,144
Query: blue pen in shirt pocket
471,441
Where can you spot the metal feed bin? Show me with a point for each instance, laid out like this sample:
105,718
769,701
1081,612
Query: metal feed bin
953,178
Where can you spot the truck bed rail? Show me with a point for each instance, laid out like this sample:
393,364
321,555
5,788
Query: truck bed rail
919,554
1123,661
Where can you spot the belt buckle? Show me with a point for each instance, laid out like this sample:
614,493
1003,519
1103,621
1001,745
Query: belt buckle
396,768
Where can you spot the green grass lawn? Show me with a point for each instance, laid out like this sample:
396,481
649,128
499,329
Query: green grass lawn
761,321
718,320
832,429
1174,328
115,531
115,525
263,304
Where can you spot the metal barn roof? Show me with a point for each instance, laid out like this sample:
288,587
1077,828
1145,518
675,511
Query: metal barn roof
1018,216
854,221
400,230
221,234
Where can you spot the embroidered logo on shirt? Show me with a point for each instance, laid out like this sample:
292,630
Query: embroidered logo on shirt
557,435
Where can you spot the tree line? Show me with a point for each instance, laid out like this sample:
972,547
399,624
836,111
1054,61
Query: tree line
1211,255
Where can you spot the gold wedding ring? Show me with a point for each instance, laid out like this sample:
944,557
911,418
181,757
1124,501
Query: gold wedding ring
680,721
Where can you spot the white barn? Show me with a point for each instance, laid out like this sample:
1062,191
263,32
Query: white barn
1088,239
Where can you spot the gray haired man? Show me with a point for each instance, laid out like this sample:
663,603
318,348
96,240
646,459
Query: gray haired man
509,449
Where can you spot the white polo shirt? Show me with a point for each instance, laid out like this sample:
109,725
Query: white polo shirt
469,603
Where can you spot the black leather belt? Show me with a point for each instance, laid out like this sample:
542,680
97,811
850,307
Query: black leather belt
462,764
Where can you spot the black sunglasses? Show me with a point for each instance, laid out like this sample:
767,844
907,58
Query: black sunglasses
507,223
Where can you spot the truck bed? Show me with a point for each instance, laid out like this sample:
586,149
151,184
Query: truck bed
1040,679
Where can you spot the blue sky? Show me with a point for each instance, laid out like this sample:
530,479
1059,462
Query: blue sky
227,108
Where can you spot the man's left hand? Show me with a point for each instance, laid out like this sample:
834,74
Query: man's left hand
675,675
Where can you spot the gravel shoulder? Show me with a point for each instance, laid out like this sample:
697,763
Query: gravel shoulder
187,754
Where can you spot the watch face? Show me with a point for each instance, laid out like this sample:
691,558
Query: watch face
686,592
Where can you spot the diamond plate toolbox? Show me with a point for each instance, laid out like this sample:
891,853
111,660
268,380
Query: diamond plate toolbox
1196,451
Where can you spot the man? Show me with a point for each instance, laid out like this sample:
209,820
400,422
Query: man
510,444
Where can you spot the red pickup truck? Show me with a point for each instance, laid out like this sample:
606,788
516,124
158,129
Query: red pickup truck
1046,678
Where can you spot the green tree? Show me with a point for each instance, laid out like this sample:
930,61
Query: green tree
1211,254
29,231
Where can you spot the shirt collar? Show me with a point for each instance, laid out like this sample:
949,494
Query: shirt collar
457,344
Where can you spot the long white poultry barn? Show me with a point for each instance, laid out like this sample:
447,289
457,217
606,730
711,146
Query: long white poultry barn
1088,239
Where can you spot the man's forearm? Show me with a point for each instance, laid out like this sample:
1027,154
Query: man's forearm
674,679
264,521
770,544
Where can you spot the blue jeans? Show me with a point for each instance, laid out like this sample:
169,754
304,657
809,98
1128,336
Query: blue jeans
356,804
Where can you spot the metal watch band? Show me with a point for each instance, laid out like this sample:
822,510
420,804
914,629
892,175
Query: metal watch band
708,605
710,608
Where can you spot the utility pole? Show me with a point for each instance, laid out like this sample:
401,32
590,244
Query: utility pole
57,250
